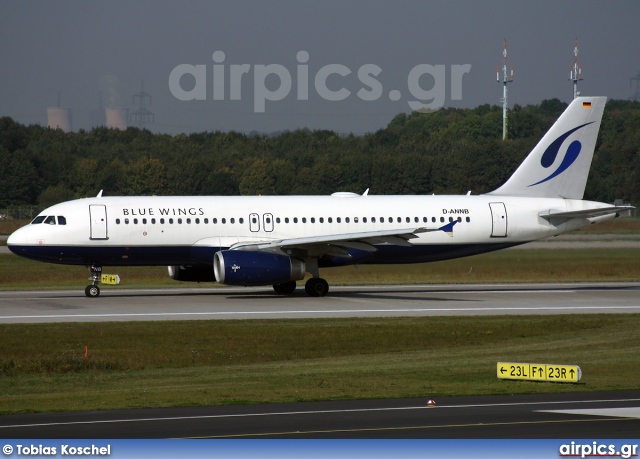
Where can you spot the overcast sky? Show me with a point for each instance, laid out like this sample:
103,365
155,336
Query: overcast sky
96,54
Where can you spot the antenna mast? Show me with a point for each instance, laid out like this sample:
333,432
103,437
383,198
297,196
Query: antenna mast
575,74
636,95
142,116
506,78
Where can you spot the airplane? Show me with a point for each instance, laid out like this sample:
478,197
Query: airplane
277,240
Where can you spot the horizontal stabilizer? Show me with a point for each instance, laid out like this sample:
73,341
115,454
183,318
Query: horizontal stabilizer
586,213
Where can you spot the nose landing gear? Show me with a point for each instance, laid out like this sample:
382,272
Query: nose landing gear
93,290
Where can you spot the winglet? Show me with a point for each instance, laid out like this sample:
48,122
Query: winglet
448,228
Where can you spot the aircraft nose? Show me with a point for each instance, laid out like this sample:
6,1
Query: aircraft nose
18,237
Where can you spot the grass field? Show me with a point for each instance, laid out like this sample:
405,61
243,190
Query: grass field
221,362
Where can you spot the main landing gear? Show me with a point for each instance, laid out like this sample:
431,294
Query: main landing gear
93,290
314,287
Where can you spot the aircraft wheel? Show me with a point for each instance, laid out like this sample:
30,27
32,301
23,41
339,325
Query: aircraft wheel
286,288
92,291
316,287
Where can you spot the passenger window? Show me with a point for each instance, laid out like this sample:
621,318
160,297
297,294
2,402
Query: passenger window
153,221
224,220
144,221
346,220
304,219
295,219
171,221
338,220
241,220
38,220
50,220
62,220
197,221
441,219
321,219
232,220
286,219
162,221
364,219
425,219
330,220
215,221
313,219
126,221
468,219
206,221
188,220
399,220
355,219
277,220
135,221
373,219
117,221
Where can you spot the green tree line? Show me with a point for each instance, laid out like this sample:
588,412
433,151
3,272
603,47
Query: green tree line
447,151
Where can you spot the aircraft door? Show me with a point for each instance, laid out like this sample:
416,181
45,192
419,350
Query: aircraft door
499,219
254,223
98,221
268,222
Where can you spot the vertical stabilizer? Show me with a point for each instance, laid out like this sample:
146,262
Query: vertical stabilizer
559,164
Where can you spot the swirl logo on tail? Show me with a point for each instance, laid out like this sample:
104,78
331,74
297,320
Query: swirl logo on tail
551,153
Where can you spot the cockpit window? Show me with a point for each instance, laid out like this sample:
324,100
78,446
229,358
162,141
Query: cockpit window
62,220
38,219
51,220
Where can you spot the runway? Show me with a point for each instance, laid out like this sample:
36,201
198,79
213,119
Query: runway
575,416
364,301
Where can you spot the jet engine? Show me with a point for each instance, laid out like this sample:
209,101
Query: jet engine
238,267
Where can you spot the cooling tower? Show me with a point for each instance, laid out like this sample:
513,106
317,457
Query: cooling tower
59,118
117,118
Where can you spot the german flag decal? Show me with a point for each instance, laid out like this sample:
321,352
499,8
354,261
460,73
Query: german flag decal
586,104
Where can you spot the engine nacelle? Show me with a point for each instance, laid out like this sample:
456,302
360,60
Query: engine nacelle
238,267
191,273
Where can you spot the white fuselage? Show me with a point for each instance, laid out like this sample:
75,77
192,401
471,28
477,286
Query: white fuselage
189,229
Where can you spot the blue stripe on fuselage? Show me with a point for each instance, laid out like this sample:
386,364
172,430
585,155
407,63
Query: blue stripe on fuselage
181,255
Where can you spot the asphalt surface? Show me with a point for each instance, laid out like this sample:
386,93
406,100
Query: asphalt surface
364,301
595,415
581,415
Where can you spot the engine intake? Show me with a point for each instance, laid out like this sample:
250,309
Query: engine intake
237,267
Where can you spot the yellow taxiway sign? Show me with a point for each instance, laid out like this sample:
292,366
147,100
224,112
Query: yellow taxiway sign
539,372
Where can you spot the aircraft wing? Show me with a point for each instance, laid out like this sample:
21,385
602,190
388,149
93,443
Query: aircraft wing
586,213
338,244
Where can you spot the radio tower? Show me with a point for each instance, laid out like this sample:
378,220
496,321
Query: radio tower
506,78
636,95
575,74
142,116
